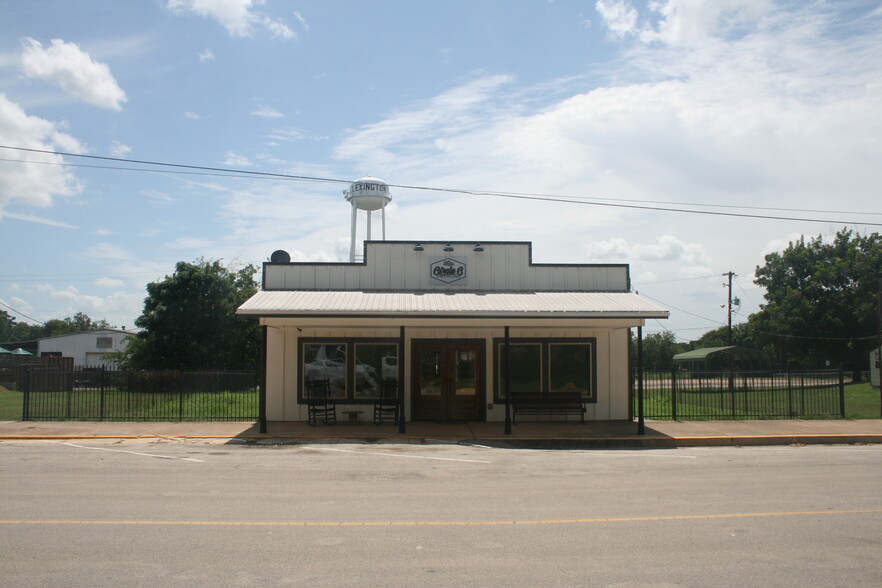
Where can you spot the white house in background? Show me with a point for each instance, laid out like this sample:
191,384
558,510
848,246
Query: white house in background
874,366
88,349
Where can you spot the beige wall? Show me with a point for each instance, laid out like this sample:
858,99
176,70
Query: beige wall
395,266
283,374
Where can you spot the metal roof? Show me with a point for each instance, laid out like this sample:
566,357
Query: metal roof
480,304
740,353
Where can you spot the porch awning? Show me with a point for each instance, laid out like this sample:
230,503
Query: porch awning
476,304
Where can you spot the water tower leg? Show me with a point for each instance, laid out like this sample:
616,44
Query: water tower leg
369,225
352,240
383,216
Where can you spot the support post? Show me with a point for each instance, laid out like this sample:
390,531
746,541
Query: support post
261,384
402,428
641,422
101,392
507,355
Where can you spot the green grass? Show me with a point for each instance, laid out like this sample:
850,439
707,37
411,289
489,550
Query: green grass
10,405
862,402
133,406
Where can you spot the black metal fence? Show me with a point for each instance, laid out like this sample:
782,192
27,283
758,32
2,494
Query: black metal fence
173,395
745,395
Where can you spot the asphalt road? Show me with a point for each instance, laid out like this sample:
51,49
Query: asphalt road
172,513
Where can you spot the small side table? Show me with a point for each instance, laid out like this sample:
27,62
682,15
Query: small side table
353,416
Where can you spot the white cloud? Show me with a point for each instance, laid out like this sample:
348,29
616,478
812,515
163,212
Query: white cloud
157,196
681,22
267,112
236,160
30,218
300,18
108,251
118,149
206,55
192,244
451,113
237,16
27,180
192,115
108,282
688,22
618,16
668,249
71,68
113,308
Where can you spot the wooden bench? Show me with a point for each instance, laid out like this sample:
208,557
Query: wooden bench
548,403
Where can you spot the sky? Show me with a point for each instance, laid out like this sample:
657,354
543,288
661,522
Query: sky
687,138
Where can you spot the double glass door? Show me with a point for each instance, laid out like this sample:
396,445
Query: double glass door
448,381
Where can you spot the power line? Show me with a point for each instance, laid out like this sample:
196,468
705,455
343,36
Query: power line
704,318
610,203
18,312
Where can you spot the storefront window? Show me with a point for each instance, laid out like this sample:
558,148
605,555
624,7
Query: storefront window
355,369
569,367
326,360
526,368
547,366
374,363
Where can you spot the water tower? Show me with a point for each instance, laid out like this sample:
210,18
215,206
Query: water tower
367,194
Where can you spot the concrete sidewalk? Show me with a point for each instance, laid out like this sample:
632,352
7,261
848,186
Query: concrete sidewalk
659,434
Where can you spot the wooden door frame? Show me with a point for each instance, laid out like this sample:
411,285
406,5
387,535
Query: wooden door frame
480,366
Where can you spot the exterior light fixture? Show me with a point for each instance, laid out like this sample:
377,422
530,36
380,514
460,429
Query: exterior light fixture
418,247
478,247
448,247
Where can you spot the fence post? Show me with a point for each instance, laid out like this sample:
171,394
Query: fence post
841,393
790,395
674,394
731,383
101,393
26,385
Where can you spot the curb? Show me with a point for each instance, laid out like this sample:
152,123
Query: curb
629,442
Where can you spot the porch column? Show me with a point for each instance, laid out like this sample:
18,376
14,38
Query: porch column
507,385
261,395
401,426
641,425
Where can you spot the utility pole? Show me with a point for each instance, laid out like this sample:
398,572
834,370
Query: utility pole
729,337
730,275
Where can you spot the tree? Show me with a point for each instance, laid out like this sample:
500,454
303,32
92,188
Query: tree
659,350
189,320
10,330
821,300
742,335
7,324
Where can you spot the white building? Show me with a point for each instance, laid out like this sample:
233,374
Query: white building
442,315
88,349
874,366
